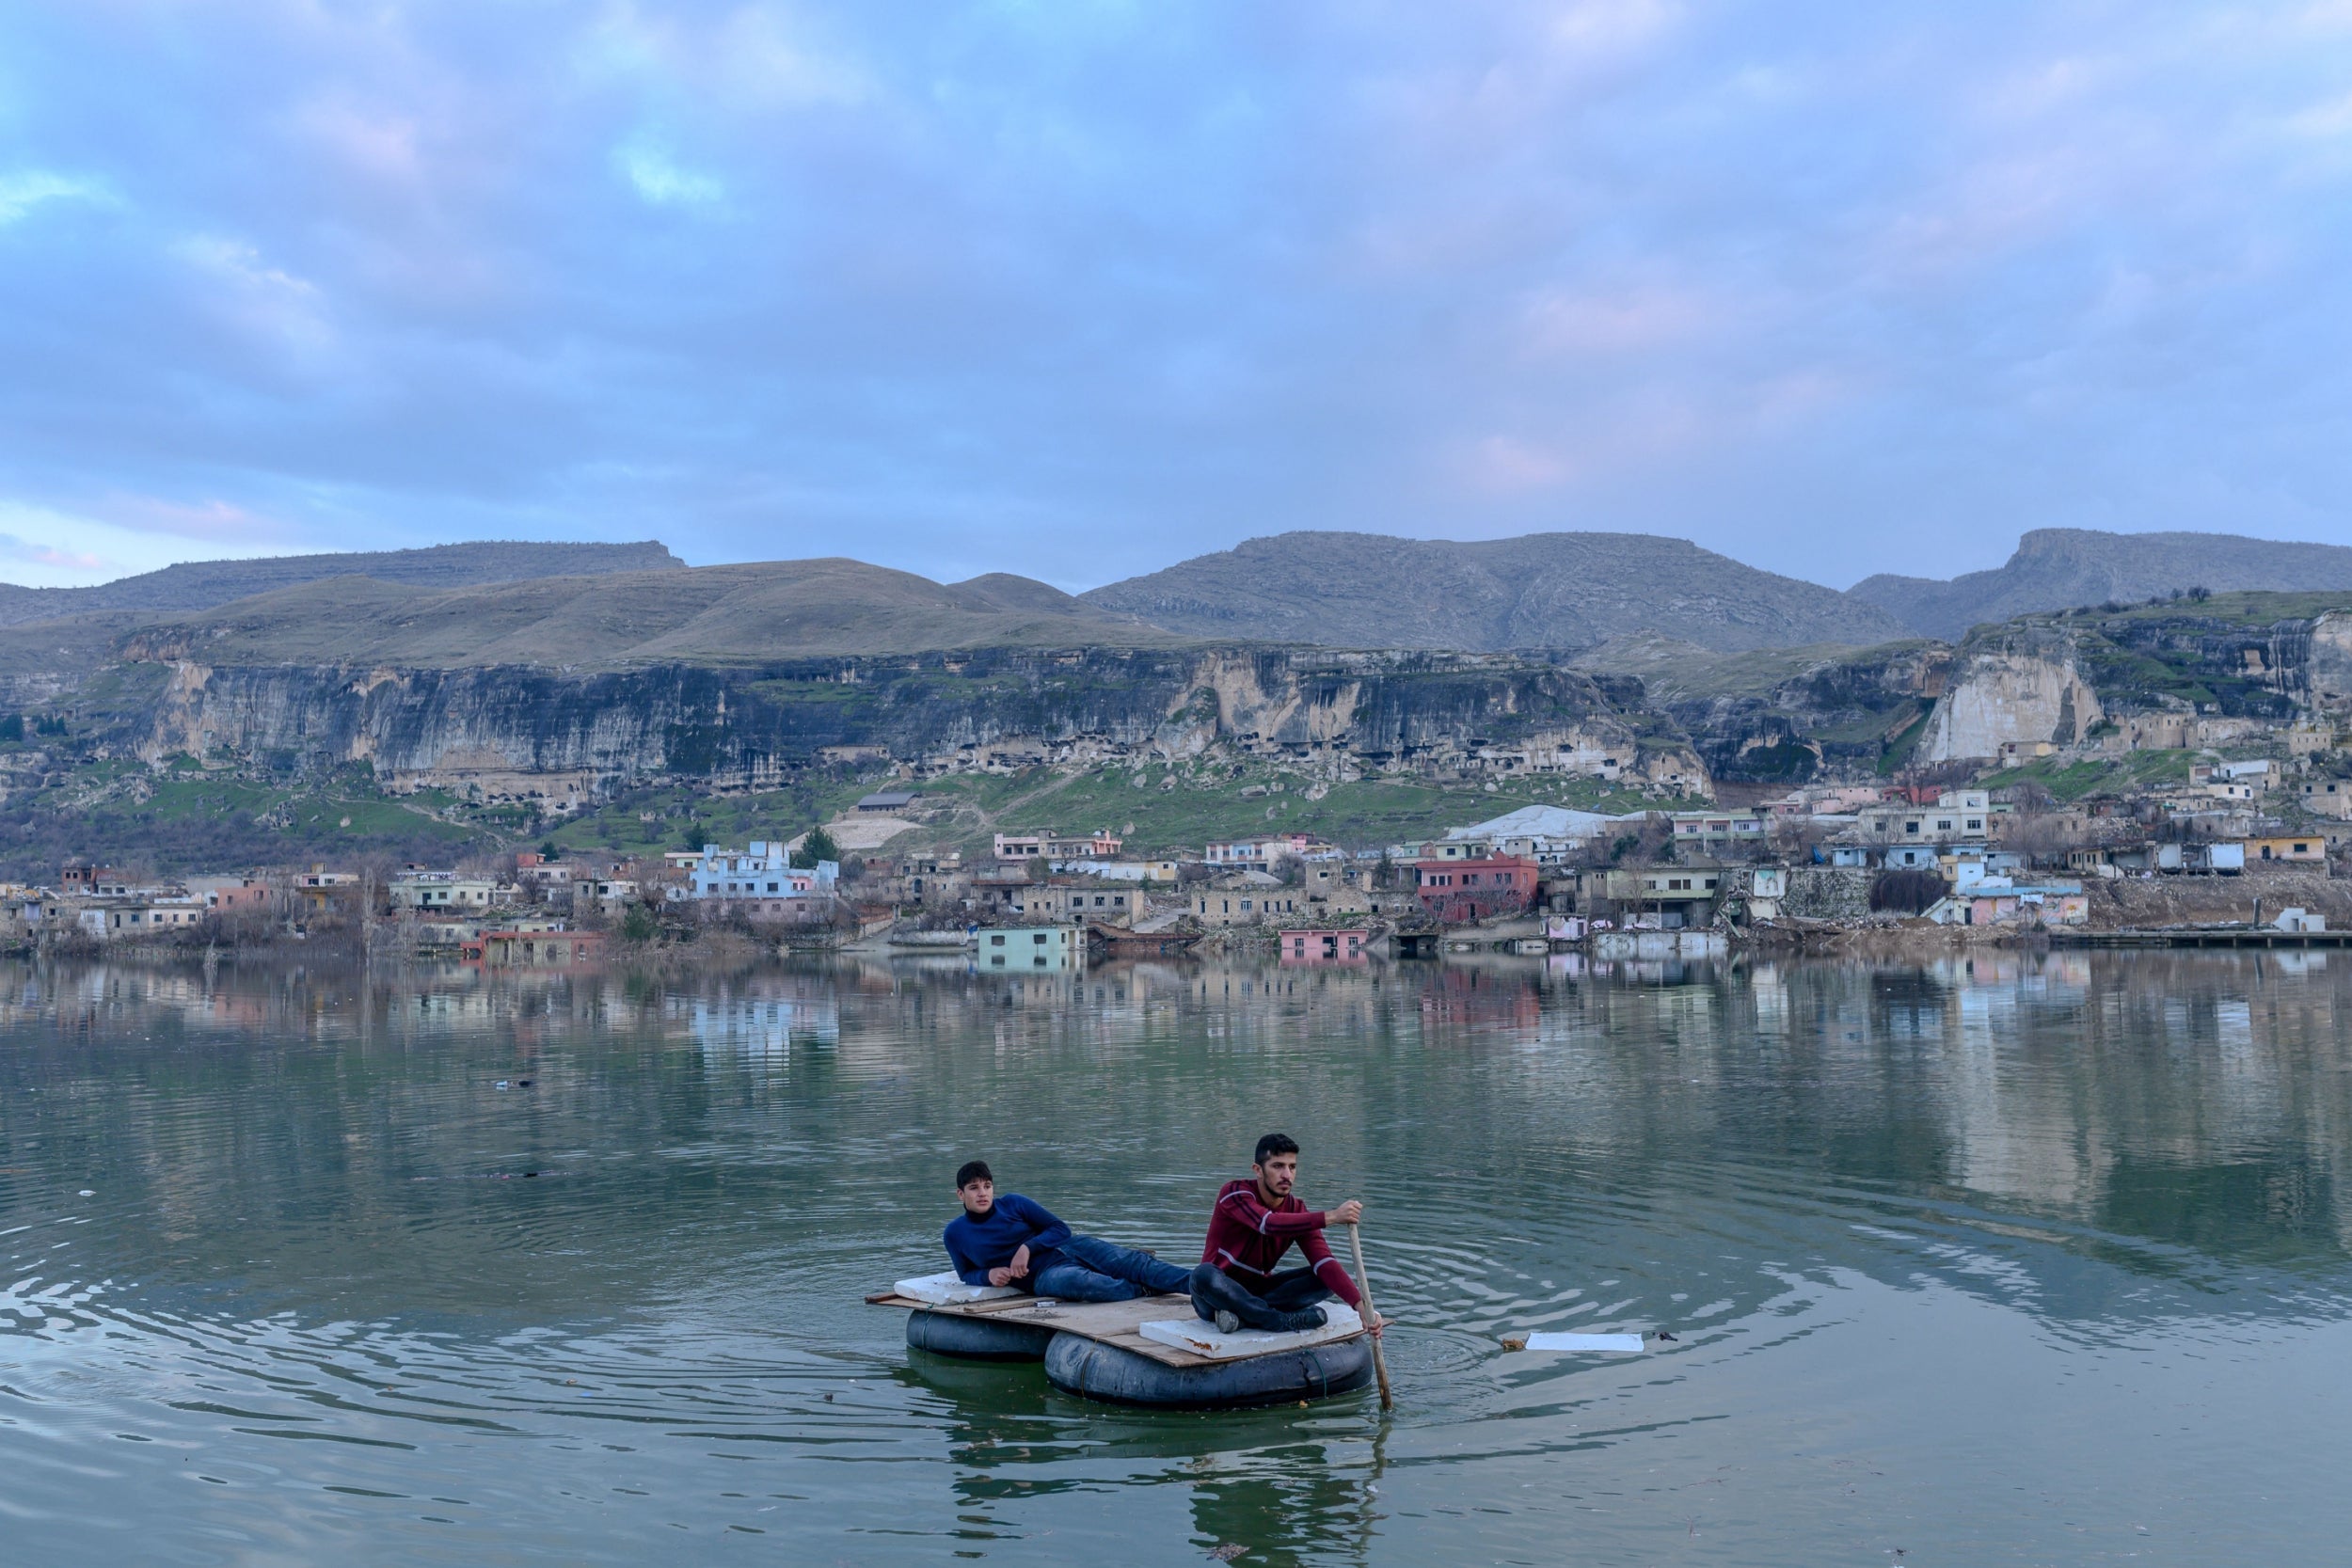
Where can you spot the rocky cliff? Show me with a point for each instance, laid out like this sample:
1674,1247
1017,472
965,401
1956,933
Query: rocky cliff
2019,685
536,732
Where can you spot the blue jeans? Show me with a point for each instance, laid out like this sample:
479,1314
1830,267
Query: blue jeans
1091,1269
1288,1295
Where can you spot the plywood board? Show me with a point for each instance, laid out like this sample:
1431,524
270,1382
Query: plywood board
1113,1323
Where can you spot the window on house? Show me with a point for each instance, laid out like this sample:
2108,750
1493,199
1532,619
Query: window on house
1910,826
996,941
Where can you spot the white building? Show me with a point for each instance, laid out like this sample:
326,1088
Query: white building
763,872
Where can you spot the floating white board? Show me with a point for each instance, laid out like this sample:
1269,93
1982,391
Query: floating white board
1210,1343
946,1290
1628,1344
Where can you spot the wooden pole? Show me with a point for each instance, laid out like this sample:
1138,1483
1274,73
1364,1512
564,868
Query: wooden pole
1363,1289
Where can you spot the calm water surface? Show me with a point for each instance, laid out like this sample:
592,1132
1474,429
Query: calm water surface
2037,1259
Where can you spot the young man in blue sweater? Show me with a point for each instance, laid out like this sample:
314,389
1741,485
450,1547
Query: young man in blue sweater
1011,1241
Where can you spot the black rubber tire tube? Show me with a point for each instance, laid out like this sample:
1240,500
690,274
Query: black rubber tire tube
1094,1370
976,1338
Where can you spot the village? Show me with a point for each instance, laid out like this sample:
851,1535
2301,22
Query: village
2240,852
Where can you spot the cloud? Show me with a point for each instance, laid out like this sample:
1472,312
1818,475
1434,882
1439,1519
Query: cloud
662,180
23,190
1076,289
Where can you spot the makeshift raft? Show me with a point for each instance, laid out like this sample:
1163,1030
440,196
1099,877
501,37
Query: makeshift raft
1101,1350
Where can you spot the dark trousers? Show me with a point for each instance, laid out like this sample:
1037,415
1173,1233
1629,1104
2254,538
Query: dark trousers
1087,1268
1292,1291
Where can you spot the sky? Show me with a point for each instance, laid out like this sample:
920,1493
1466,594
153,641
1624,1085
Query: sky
1077,288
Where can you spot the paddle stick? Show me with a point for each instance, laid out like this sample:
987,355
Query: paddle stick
1363,1289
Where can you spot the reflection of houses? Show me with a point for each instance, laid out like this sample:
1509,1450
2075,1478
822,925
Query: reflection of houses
759,1026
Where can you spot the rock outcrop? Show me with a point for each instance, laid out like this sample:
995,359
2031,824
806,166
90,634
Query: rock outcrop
540,732
2020,686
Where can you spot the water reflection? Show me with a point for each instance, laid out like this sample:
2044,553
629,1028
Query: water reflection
335,1210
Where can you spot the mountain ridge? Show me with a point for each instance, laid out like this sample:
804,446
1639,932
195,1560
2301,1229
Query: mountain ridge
192,585
1563,590
2064,568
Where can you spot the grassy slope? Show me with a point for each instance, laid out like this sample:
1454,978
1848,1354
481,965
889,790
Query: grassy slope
966,810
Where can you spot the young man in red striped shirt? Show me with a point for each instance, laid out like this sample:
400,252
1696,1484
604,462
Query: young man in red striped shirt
1253,1225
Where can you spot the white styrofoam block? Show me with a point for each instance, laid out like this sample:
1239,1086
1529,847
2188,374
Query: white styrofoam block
1627,1345
946,1290
1210,1343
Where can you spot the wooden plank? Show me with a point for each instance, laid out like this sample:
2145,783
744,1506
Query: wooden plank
1112,1323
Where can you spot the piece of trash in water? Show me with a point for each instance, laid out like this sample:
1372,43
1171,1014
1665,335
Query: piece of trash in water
522,1082
1228,1551
501,1084
86,1192
1628,1344
1666,1339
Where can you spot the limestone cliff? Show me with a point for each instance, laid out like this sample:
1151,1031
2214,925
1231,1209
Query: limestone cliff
542,732
2020,684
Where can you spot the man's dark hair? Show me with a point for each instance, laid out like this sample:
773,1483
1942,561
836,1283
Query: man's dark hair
971,1171
1273,1144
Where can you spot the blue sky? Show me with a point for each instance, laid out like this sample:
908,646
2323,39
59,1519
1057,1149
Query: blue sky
1076,289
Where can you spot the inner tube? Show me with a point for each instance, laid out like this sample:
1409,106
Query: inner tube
976,1338
1094,1370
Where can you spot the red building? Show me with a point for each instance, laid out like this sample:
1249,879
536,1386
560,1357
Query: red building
1458,892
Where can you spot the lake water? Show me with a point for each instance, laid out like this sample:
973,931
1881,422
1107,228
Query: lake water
2037,1259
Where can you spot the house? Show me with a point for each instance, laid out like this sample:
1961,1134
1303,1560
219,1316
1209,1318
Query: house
2300,921
1160,872
1654,897
1767,889
1032,948
443,891
1052,845
609,891
2327,796
1251,898
764,870
1998,901
140,917
233,894
96,881
1719,830
1076,902
1449,849
1459,892
1310,944
2288,846
532,949
887,799
1957,813
1333,890
1261,853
